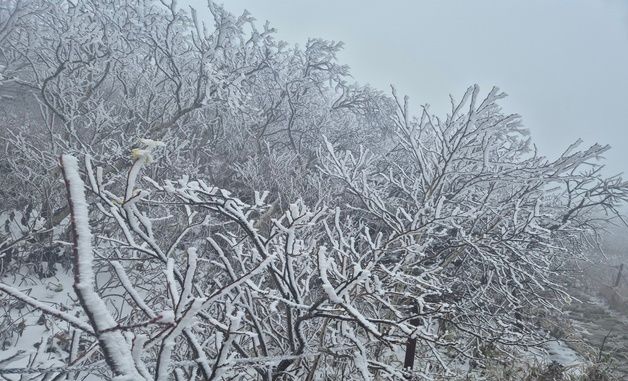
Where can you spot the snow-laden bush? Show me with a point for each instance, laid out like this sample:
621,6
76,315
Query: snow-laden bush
440,256
290,226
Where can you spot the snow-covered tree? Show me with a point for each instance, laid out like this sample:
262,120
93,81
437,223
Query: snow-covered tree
233,103
466,202
231,207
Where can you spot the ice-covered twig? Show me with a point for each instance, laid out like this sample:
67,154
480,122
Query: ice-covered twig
74,321
115,348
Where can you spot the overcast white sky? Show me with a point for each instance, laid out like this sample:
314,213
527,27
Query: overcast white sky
564,63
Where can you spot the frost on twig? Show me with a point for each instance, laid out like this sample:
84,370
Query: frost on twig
115,348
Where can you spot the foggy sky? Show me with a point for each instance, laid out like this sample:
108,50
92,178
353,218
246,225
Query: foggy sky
564,63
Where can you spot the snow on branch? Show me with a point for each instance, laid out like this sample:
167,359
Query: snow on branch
78,323
115,348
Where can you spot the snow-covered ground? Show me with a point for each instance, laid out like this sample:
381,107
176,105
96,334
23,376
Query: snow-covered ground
38,341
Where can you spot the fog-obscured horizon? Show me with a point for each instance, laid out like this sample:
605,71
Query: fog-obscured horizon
564,64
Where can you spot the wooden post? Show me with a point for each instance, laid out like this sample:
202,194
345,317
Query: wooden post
618,279
408,363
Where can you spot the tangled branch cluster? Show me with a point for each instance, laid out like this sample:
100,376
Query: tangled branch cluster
233,208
